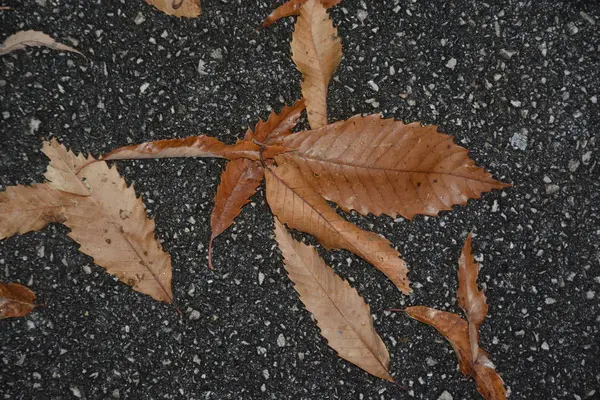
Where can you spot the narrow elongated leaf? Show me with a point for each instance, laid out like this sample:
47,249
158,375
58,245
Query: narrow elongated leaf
292,7
30,208
16,300
456,331
470,298
239,182
316,51
111,225
242,177
193,146
296,204
342,315
178,8
23,39
382,166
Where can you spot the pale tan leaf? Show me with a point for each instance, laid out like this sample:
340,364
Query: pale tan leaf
30,208
316,51
60,169
23,39
342,315
111,225
193,146
178,8
296,204
470,298
382,166
16,300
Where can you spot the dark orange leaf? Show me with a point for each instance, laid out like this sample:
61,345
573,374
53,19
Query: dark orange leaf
278,125
470,298
382,166
296,204
15,300
292,7
193,146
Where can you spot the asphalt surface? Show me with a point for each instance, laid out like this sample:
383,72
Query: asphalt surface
516,82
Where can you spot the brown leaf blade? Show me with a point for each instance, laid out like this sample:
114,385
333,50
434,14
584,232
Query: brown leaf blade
23,39
456,331
178,8
239,182
278,125
111,225
316,51
193,146
15,300
60,170
342,315
470,298
382,166
30,208
292,7
296,204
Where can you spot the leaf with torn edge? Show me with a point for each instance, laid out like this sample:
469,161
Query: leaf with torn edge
456,331
316,51
242,177
382,166
342,315
297,205
23,39
178,8
30,208
292,7
110,224
193,146
470,298
16,300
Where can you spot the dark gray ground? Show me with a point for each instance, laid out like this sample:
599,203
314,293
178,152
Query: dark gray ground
522,96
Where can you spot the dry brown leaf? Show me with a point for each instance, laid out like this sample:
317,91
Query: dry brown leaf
193,146
23,39
111,225
178,8
456,331
470,298
15,300
296,204
316,51
342,315
60,170
242,177
30,208
292,7
382,166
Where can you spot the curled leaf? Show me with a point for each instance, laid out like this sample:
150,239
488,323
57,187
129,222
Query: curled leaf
193,146
382,166
292,7
23,39
178,8
342,315
30,208
15,300
296,204
316,51
111,225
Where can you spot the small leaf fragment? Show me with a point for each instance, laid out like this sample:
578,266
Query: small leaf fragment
193,146
23,39
30,208
16,300
296,204
317,52
342,315
292,7
178,8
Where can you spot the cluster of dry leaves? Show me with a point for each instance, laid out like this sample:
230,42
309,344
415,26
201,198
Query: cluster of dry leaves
366,163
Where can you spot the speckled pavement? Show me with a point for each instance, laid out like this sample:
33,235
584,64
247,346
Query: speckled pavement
516,82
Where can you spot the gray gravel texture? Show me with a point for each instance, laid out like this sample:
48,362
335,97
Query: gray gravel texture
516,82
